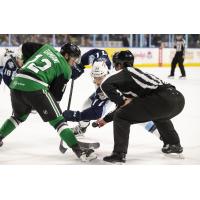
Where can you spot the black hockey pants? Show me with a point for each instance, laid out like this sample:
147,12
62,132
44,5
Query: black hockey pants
160,106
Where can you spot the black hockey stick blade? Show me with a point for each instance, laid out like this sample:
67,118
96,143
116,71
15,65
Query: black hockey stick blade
83,145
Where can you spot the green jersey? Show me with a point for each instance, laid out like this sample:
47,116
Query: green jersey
41,70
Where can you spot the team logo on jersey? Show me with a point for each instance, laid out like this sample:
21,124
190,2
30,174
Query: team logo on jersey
45,112
11,65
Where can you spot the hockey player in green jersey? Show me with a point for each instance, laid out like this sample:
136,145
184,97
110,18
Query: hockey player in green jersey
39,85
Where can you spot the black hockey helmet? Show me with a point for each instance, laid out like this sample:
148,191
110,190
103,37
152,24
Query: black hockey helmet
125,58
72,49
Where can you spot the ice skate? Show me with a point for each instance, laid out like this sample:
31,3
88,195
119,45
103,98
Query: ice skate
116,157
172,150
84,154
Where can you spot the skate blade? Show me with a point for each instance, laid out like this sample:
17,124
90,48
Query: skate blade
174,155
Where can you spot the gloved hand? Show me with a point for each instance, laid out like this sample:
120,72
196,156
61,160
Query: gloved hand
77,70
70,115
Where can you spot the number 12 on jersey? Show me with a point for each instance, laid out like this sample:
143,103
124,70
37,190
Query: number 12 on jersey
33,67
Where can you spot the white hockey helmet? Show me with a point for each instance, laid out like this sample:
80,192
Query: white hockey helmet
99,69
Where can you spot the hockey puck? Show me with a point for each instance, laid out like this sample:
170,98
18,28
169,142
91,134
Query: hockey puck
94,125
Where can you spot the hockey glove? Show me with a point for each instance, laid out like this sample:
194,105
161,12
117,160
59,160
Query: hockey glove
77,70
73,116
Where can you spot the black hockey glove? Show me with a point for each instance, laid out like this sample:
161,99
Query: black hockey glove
73,116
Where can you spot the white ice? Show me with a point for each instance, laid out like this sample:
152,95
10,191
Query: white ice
36,142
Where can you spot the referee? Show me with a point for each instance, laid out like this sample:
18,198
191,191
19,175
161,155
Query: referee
179,57
140,97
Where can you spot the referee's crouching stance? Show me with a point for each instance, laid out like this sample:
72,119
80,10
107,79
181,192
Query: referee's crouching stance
140,97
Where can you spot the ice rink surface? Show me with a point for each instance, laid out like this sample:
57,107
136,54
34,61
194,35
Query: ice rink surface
35,142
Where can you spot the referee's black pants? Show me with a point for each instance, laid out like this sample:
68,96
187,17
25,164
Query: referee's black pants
178,59
159,107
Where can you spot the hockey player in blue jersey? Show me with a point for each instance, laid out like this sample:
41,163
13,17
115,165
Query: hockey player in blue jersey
9,66
88,58
97,105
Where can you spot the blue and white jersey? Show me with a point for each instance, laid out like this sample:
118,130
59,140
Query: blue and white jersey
99,102
8,69
89,58
95,108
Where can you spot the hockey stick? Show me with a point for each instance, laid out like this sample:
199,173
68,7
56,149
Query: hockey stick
61,147
84,145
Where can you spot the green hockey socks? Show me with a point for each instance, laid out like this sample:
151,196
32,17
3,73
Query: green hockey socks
8,126
64,132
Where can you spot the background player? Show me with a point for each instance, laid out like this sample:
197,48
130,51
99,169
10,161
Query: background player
10,64
179,57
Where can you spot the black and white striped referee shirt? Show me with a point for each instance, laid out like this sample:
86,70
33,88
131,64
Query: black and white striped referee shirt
180,47
130,82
